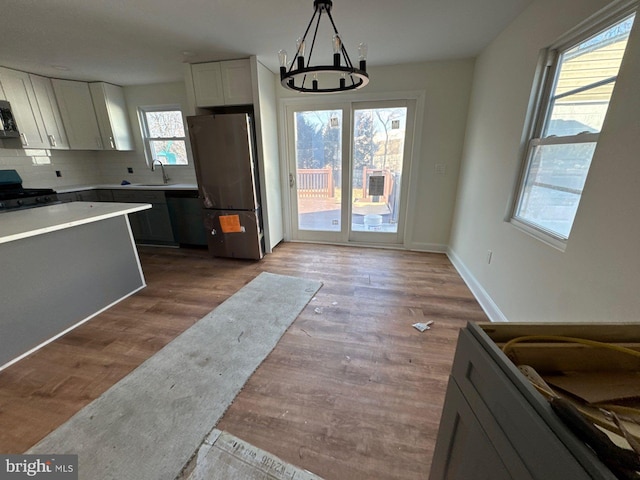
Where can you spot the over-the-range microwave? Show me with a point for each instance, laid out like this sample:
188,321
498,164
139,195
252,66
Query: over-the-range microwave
8,127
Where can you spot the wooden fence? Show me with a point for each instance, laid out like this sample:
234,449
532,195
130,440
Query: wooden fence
315,182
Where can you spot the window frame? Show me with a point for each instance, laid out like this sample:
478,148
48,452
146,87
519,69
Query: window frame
147,138
541,105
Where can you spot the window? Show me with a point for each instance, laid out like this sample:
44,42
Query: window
575,91
163,135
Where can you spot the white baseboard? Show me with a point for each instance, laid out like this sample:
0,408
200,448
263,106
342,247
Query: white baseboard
427,247
483,298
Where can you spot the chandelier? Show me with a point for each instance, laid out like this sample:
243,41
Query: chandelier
341,76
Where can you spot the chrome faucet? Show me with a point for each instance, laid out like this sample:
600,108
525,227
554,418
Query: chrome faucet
165,177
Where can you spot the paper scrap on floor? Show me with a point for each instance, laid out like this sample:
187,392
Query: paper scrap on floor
223,456
423,326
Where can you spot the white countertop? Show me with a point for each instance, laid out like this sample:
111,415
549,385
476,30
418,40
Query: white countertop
132,186
37,221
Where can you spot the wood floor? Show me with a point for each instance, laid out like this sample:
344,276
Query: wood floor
352,390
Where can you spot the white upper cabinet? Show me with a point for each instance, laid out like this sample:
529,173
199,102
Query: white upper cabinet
78,114
222,83
207,83
56,136
113,119
236,82
19,92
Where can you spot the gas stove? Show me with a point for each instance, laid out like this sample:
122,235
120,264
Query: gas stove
14,197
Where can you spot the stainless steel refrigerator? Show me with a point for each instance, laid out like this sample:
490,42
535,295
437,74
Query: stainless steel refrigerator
224,156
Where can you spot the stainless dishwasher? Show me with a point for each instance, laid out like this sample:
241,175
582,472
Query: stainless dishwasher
185,211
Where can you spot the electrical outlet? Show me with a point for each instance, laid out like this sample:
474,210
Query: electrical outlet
58,173
489,256
441,169
129,170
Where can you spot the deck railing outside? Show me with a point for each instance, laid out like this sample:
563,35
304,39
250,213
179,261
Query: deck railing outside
315,182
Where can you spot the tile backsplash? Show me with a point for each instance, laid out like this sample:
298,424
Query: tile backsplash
38,168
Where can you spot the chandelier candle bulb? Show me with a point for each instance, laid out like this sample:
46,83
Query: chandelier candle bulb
337,48
363,50
282,57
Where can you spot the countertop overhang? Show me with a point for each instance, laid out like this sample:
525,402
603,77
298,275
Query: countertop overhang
37,221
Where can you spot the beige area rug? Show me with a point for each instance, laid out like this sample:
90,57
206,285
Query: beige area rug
148,425
223,456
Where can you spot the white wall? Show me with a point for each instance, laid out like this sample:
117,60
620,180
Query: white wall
266,113
447,88
596,279
113,165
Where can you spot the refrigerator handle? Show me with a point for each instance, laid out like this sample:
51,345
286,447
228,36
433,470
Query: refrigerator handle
291,181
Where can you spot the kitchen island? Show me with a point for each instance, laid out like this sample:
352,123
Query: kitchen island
61,265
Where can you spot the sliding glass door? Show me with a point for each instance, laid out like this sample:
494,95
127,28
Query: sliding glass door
346,171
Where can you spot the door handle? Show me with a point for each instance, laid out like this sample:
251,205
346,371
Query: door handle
52,140
291,180
113,144
23,136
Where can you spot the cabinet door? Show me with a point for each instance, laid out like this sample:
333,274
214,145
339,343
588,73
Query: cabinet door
104,195
86,196
207,83
236,82
56,136
19,92
67,197
464,450
509,417
159,224
112,115
78,114
148,226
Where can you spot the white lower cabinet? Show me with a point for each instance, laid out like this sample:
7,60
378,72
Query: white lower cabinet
78,114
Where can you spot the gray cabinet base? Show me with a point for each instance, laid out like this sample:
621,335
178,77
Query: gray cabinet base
52,282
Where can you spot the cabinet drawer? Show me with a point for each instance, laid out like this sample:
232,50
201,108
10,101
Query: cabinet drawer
495,399
104,195
139,196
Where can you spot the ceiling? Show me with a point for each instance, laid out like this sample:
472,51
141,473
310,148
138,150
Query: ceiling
129,42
